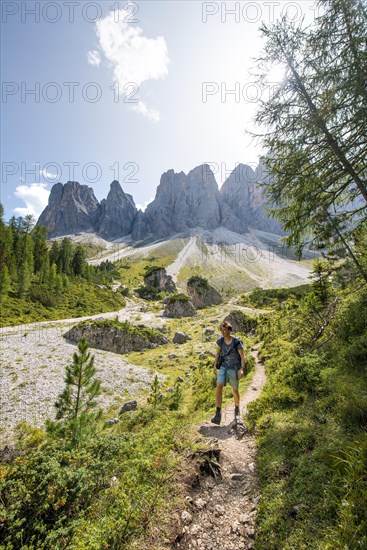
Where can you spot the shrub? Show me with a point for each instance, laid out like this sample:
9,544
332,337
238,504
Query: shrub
356,353
40,293
148,293
178,297
198,281
304,373
149,269
203,385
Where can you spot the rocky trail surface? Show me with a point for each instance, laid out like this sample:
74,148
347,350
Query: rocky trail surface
221,512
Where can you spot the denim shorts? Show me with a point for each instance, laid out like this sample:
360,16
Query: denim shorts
231,377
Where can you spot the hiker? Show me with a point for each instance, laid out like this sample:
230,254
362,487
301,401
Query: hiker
229,367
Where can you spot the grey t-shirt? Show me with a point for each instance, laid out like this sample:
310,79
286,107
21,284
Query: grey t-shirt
232,359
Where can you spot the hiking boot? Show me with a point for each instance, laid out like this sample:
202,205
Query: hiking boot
236,411
216,418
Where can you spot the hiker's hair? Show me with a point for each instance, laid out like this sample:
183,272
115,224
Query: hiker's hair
225,324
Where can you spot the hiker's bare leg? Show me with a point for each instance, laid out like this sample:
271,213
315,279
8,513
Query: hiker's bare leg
218,395
236,397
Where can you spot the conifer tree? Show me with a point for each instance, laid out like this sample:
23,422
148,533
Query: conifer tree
155,392
44,273
5,284
77,413
176,397
66,255
321,280
25,263
52,275
6,247
54,253
39,235
315,125
78,262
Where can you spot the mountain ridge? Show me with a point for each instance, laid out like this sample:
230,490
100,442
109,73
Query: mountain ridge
182,202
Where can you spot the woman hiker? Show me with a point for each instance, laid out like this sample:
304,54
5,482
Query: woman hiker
228,367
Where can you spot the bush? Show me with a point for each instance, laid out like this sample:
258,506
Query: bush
40,293
198,281
274,296
304,373
355,354
149,293
178,297
125,326
203,385
149,269
102,495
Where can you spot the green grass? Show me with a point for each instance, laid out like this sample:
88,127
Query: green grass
133,270
80,298
311,422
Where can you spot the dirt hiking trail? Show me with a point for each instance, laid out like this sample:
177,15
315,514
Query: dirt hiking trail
222,510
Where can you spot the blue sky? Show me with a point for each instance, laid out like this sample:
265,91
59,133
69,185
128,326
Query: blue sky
171,52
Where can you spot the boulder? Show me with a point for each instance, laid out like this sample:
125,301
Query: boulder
208,334
179,306
202,293
180,338
112,420
129,406
157,277
117,337
241,322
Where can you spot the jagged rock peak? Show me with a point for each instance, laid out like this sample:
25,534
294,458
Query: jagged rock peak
71,208
184,201
118,213
244,202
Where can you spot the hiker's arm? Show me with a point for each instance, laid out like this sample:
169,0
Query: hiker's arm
243,361
216,360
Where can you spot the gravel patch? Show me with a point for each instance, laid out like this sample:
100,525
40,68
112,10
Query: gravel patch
32,372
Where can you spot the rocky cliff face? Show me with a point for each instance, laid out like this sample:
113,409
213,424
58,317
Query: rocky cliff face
71,208
118,213
243,202
182,202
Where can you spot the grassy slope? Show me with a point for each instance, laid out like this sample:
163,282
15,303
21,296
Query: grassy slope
311,422
78,299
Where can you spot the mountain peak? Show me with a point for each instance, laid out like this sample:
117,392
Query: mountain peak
71,208
115,186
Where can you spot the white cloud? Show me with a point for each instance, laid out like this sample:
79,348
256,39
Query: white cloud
143,109
133,57
144,205
94,58
35,196
48,175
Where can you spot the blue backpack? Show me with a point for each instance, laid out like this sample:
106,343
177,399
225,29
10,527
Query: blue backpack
235,343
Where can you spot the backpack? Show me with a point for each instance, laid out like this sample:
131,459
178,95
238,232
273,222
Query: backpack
236,343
